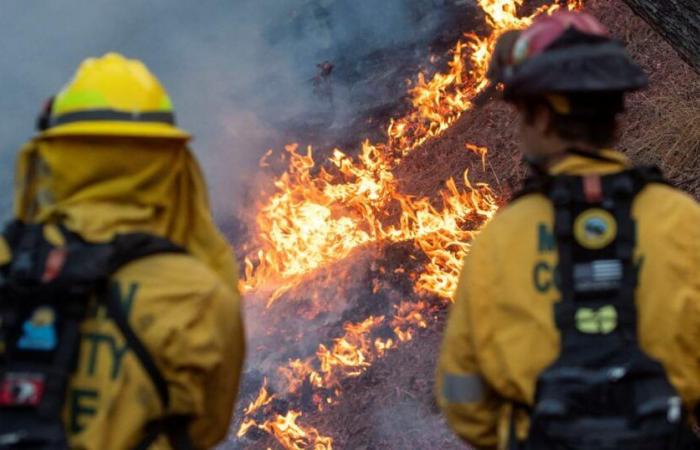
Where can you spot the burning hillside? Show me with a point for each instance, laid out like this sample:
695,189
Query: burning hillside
344,266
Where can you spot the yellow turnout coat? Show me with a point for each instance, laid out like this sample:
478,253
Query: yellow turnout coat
501,334
183,307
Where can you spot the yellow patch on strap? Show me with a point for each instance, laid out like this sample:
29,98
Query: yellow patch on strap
601,321
595,229
43,316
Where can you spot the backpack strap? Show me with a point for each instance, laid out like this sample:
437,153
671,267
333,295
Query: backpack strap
537,183
570,197
128,248
116,313
561,195
64,278
601,366
540,182
174,427
623,192
615,193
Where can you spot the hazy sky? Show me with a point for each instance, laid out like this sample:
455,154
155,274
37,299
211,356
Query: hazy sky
231,66
195,48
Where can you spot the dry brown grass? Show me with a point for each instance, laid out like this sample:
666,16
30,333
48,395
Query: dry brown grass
662,125
391,406
668,134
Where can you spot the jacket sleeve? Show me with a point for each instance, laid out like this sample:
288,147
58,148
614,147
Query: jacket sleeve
205,366
690,343
469,404
689,337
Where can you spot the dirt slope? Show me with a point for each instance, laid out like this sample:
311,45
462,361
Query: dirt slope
391,406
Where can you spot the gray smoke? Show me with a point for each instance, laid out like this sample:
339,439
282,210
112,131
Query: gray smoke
239,71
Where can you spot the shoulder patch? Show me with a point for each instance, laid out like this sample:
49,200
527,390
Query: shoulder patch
595,229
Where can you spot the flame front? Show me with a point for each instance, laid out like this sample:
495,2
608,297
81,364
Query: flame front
319,215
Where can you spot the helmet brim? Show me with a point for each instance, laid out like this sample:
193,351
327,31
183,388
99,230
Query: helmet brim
581,68
116,129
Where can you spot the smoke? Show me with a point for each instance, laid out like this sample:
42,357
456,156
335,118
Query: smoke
240,72
311,313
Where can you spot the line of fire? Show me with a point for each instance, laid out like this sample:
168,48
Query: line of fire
342,267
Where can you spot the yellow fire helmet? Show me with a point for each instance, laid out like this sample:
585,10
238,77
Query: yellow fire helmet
112,96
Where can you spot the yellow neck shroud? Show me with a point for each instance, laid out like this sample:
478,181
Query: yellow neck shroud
101,186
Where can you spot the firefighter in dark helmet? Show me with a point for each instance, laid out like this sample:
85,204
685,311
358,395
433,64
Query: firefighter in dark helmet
576,322
120,323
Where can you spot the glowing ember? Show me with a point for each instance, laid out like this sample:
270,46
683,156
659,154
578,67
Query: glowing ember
319,214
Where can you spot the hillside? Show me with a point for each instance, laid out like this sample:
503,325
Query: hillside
661,126
390,405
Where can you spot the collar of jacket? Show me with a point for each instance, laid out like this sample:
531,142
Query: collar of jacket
580,165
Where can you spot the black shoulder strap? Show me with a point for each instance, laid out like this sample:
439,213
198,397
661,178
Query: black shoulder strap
562,197
586,270
539,180
624,190
534,184
12,232
133,246
648,174
128,248
116,313
174,427
541,183
70,274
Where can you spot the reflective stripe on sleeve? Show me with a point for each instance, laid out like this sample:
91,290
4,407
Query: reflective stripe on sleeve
462,388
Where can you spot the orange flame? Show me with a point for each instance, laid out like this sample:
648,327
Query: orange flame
319,214
289,433
264,398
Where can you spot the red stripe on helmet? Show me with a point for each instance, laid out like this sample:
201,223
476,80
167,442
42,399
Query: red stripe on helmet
547,29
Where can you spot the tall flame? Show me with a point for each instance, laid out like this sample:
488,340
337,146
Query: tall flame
318,215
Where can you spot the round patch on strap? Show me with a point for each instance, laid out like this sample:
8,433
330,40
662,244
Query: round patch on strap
595,229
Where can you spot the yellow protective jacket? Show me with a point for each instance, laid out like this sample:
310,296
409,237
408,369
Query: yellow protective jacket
501,335
185,308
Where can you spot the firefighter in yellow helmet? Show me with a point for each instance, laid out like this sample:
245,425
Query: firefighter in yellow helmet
577,317
111,190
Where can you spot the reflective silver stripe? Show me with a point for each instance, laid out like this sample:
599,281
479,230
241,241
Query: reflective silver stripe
462,388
